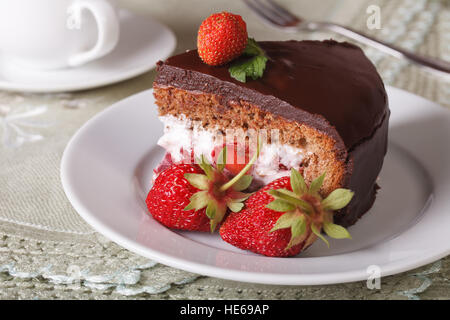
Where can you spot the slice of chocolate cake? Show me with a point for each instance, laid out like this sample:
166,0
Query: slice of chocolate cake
325,99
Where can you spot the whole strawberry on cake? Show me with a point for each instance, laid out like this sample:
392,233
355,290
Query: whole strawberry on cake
276,143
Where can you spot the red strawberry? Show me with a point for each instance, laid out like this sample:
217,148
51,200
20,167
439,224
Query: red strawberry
221,38
170,195
196,197
285,217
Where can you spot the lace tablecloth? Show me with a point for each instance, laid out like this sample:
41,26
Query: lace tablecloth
48,251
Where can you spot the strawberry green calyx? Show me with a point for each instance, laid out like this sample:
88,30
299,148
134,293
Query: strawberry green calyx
217,192
306,212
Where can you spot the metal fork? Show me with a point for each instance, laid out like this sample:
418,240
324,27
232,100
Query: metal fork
281,18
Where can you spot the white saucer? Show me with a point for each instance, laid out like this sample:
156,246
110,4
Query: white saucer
106,173
143,41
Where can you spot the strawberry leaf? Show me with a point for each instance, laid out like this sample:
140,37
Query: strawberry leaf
317,233
280,206
303,205
211,209
222,159
238,196
336,231
316,184
337,199
206,167
220,211
297,232
200,181
299,227
296,222
235,206
287,192
298,183
243,183
285,221
198,201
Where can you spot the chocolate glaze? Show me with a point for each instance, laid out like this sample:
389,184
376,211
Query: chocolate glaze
328,85
364,164
314,82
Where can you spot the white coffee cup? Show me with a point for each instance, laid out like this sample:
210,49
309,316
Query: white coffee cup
53,34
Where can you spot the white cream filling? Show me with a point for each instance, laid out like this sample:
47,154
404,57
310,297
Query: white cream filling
181,133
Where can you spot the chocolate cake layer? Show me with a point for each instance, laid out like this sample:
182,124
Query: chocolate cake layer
329,86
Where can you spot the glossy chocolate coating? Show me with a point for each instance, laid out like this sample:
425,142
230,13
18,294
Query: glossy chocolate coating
314,82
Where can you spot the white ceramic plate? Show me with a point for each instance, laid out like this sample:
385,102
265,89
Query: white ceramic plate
106,173
143,41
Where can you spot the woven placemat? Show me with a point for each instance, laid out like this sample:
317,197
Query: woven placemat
48,251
